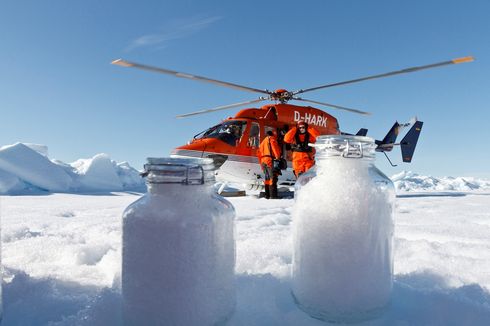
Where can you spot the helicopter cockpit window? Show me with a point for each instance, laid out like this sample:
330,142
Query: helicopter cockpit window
253,137
230,132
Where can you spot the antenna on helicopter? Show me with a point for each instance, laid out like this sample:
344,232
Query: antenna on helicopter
281,95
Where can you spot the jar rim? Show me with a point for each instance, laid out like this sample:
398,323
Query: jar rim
324,138
188,171
345,146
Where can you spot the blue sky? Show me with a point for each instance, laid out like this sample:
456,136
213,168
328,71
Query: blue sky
57,87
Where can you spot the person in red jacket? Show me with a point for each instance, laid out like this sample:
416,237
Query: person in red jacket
269,151
303,155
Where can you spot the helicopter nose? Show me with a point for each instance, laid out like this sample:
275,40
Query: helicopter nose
200,149
192,149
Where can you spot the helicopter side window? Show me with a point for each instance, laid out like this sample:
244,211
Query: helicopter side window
230,132
253,137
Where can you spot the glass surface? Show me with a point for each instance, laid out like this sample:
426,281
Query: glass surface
178,249
187,171
342,268
229,132
345,146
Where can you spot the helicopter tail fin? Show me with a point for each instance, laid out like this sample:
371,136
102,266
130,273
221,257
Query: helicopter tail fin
386,145
409,142
362,132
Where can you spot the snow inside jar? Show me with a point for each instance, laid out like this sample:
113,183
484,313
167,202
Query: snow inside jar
343,233
178,254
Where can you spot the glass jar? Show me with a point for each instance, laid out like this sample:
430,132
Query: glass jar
178,248
343,233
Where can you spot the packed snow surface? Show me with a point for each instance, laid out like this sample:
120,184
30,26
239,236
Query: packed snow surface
62,260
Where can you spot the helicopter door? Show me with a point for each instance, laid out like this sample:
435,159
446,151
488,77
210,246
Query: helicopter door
253,136
250,140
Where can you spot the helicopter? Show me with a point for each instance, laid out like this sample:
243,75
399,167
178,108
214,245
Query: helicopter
233,143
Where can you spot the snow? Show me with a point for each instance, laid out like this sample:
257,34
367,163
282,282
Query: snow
410,181
129,177
41,149
62,256
9,183
62,246
26,169
33,168
97,174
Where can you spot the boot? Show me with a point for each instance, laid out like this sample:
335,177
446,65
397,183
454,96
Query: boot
273,191
267,192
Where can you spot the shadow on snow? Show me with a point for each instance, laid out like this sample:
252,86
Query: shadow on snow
418,299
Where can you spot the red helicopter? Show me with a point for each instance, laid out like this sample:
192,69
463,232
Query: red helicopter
233,143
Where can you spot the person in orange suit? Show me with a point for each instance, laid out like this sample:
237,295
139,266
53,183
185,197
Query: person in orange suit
303,155
269,151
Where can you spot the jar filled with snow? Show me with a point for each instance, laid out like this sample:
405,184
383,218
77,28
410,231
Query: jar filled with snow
178,248
343,233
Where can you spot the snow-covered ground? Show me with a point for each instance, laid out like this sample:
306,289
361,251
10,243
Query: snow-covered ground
61,257
61,239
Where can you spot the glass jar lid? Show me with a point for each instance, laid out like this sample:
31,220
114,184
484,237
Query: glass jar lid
346,146
187,171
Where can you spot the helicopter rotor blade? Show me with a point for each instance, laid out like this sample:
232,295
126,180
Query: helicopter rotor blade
124,63
224,107
392,73
333,106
